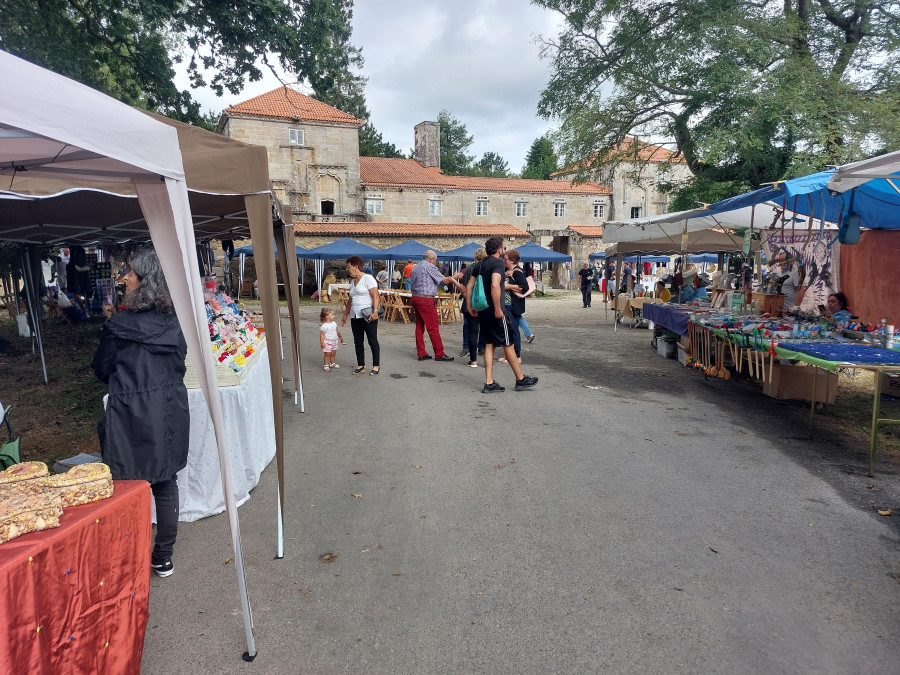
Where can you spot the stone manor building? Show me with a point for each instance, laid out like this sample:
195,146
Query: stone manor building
332,192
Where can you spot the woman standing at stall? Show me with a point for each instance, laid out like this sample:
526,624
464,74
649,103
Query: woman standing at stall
144,435
363,312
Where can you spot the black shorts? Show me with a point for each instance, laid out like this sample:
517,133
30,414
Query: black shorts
498,332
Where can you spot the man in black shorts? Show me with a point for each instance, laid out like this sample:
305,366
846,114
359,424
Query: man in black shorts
496,325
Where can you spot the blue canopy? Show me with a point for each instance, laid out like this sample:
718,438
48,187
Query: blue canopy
408,250
344,248
704,257
531,252
876,201
248,250
462,254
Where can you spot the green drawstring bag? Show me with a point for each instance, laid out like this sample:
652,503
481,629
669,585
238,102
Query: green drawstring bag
479,301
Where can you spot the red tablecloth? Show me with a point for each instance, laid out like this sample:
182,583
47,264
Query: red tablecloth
75,599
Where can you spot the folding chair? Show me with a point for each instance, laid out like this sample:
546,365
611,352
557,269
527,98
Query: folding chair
9,452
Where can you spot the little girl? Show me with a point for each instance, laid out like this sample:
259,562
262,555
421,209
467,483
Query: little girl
329,337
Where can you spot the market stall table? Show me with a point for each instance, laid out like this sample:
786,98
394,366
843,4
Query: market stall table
671,317
630,307
76,598
250,439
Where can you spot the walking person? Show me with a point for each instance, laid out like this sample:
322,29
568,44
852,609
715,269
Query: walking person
425,278
407,271
363,313
470,323
495,323
587,276
513,300
145,432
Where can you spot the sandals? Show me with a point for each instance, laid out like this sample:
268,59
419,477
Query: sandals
374,372
357,371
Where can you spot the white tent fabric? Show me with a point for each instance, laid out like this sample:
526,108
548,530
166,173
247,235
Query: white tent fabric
55,128
672,225
853,175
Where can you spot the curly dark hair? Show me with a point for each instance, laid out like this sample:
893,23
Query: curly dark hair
492,245
153,293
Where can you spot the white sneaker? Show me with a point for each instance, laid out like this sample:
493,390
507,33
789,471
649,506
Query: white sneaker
326,367
335,365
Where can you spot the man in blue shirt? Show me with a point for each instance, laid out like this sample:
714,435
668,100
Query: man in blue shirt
424,280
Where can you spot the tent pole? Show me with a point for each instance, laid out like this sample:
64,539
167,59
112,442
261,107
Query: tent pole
34,309
293,298
618,290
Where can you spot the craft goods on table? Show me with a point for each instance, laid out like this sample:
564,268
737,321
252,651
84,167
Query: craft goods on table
22,479
31,500
29,513
82,484
234,333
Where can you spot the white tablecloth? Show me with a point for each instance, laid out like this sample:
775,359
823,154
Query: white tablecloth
249,437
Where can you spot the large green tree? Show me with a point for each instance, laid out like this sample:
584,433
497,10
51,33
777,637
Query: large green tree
750,90
126,48
541,159
491,165
455,140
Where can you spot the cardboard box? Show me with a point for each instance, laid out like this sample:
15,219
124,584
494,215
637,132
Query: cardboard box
794,383
682,354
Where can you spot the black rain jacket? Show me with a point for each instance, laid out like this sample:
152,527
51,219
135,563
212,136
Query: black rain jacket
147,424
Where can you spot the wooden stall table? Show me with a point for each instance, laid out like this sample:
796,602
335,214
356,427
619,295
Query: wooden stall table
768,303
632,308
76,598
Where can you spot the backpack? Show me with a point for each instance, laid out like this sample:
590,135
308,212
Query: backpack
479,301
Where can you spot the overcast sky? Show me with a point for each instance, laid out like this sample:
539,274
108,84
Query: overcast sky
476,58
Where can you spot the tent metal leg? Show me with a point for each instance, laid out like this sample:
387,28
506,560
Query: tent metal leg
33,310
280,554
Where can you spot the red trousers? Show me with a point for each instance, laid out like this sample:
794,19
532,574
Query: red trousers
427,319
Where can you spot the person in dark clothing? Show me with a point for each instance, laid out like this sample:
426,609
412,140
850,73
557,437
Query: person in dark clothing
144,435
587,275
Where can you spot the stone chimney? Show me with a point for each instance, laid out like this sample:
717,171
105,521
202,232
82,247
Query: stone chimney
428,144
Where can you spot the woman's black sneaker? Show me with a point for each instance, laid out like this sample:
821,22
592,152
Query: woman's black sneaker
163,569
525,383
492,387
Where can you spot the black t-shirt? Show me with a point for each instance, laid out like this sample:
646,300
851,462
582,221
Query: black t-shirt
516,303
585,275
486,268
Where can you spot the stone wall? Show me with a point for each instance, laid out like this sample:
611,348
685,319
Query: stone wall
411,205
325,166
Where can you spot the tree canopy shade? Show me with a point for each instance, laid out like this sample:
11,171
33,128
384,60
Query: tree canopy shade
750,90
126,48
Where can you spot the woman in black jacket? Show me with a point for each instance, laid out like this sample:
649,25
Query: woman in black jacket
144,435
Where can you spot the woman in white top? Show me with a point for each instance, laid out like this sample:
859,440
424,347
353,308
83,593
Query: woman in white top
363,312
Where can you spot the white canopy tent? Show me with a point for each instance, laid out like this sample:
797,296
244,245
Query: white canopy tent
673,225
853,175
56,129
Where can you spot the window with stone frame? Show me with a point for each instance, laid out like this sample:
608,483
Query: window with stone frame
374,206
521,209
598,209
435,207
635,211
559,209
296,136
481,206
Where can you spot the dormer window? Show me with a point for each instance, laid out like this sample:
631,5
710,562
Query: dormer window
295,136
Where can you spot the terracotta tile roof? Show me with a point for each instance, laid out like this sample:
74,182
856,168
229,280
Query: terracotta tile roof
631,149
407,229
388,172
288,103
588,230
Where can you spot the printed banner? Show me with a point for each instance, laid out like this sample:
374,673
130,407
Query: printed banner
819,260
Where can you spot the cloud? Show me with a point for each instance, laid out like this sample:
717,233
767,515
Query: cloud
476,58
